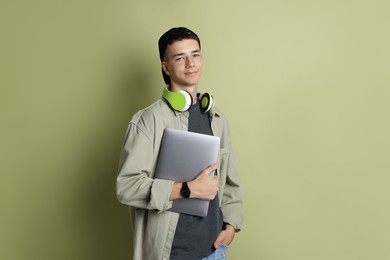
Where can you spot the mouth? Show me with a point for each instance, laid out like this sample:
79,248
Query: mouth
190,73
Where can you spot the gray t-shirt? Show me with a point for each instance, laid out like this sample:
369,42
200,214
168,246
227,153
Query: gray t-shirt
195,236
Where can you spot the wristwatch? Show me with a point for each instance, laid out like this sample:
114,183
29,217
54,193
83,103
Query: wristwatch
185,191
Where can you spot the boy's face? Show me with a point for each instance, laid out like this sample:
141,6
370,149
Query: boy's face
183,63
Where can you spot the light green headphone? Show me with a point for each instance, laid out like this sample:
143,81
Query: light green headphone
182,100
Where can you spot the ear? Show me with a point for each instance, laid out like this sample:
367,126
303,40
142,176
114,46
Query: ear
164,66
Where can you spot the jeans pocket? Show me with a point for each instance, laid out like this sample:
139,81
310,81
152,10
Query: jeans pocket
221,252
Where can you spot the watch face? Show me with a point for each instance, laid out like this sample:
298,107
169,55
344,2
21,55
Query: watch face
185,193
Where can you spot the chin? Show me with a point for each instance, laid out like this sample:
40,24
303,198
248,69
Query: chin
192,82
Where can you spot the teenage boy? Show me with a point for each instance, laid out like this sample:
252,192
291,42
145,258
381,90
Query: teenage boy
158,232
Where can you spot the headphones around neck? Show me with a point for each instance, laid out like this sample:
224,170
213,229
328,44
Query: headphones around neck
182,100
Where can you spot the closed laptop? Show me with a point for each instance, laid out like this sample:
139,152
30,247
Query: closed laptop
183,155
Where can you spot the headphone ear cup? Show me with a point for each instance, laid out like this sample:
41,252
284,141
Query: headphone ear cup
206,102
188,98
180,100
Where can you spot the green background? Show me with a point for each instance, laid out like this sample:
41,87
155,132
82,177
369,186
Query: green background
304,84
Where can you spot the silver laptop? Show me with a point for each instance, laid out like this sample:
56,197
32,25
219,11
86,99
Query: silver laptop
183,155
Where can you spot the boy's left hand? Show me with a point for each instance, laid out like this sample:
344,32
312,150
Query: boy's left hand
225,237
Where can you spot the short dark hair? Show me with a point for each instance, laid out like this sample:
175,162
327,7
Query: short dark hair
171,36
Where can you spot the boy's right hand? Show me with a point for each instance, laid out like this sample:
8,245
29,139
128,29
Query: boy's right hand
205,185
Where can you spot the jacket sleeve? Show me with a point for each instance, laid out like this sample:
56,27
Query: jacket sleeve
134,186
232,197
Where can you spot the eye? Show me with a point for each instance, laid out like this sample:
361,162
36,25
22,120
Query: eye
179,58
196,55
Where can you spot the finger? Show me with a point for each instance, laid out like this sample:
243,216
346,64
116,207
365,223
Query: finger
211,168
218,241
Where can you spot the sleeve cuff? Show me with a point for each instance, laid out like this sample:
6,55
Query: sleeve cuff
159,196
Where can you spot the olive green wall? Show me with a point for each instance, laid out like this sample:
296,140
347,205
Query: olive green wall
305,85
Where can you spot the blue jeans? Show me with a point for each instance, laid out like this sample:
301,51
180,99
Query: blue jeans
219,254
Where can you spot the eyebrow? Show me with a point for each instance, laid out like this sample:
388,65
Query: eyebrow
182,53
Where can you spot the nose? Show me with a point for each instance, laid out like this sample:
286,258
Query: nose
190,62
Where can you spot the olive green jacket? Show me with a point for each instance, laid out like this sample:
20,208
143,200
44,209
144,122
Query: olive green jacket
148,198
